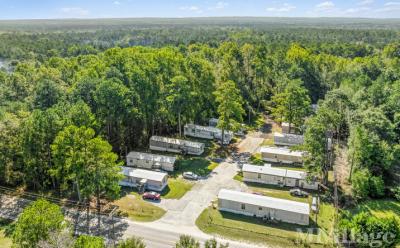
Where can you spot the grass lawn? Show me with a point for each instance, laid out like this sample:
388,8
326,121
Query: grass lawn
177,188
198,165
5,240
276,191
268,142
380,208
134,207
252,229
256,159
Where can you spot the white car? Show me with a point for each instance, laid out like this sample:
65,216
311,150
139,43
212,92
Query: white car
190,175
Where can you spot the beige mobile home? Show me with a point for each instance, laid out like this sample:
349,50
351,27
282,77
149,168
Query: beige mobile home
204,132
164,144
286,139
281,155
150,161
151,180
285,128
276,176
263,207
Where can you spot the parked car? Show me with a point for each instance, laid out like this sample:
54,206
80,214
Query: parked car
154,196
298,193
190,175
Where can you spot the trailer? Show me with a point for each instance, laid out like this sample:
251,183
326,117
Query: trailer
205,132
165,144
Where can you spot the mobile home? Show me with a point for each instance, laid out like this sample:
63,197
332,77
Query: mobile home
204,132
263,207
281,155
285,128
150,161
151,180
286,139
164,144
276,176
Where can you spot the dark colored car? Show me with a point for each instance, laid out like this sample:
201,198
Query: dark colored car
154,196
298,193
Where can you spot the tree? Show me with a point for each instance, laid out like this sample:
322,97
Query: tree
132,242
56,239
212,243
37,222
179,97
47,93
292,105
186,241
88,161
86,241
230,108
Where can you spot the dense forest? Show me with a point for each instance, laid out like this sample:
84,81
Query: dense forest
109,88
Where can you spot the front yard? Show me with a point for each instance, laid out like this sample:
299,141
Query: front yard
135,208
240,227
177,187
5,240
198,165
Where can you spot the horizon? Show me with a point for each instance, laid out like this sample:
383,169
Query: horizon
123,9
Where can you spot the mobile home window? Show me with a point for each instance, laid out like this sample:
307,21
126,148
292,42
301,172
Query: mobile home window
260,208
243,206
259,176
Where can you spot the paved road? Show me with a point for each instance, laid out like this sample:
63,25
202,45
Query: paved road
184,212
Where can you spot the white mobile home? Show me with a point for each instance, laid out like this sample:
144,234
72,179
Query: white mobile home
263,207
204,132
285,128
164,144
281,155
150,161
286,139
151,180
276,176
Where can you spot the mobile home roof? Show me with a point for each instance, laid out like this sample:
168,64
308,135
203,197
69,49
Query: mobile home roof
152,157
268,170
177,141
280,151
206,128
146,174
264,201
289,138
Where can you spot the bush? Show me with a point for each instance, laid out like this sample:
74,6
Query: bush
132,243
369,231
86,241
396,192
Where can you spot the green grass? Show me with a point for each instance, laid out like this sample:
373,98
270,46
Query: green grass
252,229
200,166
5,239
176,188
380,208
276,191
135,208
238,177
256,159
268,142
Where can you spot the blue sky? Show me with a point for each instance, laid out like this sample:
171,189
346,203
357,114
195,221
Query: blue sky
32,9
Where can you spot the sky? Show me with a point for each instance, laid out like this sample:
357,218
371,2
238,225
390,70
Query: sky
47,9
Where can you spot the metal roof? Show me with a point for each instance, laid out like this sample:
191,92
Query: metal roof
145,174
280,151
206,128
264,201
177,141
151,157
294,139
264,170
268,170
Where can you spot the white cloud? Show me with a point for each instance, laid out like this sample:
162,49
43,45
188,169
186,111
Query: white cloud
395,4
116,2
365,2
74,11
325,6
284,8
353,11
192,8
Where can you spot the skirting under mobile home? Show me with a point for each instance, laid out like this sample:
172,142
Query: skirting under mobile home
151,180
150,161
164,144
281,155
263,207
276,176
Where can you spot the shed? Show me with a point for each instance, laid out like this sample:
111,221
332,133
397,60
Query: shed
281,155
165,144
285,128
150,161
263,207
205,132
277,176
285,139
152,180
